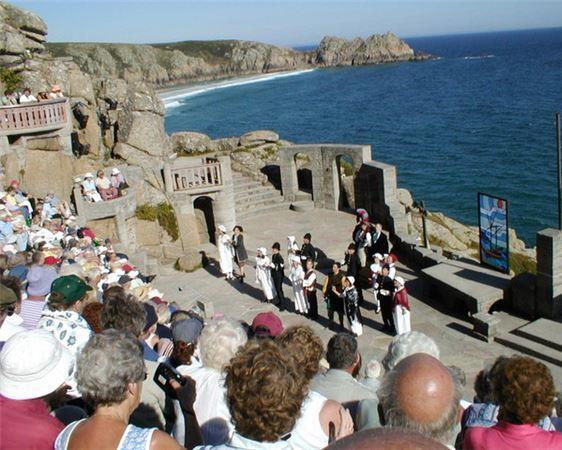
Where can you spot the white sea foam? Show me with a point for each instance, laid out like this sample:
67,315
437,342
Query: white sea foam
480,57
172,99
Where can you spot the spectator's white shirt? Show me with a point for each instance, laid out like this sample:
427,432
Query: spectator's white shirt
103,183
27,98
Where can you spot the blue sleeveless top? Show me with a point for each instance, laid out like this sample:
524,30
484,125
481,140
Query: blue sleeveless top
133,438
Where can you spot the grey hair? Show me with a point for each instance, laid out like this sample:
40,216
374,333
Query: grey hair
444,430
407,344
219,342
109,362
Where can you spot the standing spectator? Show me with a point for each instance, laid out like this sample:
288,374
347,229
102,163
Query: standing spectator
224,243
118,181
106,190
89,187
307,250
240,254
334,303
278,274
27,97
384,295
34,367
39,279
401,310
339,383
296,275
263,274
524,390
309,286
62,316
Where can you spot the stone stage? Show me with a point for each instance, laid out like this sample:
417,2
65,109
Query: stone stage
331,233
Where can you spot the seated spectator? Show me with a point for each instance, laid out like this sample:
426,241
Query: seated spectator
10,322
62,316
123,312
306,349
118,181
524,390
9,98
106,190
408,344
267,324
34,367
218,343
387,439
56,92
340,383
27,97
149,337
92,315
420,394
18,266
110,375
89,188
373,371
39,279
42,96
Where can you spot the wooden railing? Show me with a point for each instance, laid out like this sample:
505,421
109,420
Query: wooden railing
34,117
197,177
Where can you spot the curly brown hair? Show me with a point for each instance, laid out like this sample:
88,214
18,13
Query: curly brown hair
304,346
92,314
524,390
265,391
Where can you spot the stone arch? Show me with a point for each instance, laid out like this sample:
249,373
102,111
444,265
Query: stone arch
304,176
344,174
205,218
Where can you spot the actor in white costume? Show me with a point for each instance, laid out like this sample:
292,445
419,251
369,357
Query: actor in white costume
226,253
263,273
292,247
296,275
401,311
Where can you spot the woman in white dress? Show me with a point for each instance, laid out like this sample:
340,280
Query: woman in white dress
263,274
401,310
296,275
226,255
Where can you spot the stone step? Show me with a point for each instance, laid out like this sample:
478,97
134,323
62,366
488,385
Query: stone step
240,207
532,348
543,331
261,210
244,185
256,197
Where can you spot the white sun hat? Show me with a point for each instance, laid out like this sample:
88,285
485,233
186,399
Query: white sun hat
33,364
222,228
115,171
88,175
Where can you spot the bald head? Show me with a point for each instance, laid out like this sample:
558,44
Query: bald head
420,394
386,439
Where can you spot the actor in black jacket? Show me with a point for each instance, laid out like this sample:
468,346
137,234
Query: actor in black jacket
278,274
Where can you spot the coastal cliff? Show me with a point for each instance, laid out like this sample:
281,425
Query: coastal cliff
165,65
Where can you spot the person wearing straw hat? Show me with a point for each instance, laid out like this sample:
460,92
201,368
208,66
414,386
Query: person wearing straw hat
118,181
401,310
224,243
89,187
263,274
34,368
296,275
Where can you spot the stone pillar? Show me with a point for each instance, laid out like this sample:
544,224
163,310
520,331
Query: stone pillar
549,273
168,180
223,206
289,181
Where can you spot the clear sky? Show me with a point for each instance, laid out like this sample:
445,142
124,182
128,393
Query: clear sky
283,22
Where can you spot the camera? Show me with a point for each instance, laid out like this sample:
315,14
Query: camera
164,374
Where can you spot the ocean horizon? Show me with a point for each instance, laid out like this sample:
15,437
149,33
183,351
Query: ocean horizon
480,118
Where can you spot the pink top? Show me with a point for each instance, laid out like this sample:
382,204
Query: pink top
507,436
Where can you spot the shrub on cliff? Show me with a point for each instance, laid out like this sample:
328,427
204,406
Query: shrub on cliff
163,213
10,79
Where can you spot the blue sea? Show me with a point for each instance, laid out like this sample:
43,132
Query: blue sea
478,119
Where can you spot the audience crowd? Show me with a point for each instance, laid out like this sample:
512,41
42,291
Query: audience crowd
93,356
11,98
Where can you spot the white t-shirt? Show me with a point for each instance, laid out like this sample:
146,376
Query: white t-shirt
27,98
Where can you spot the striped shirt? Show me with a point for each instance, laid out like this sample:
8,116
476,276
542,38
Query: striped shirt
31,313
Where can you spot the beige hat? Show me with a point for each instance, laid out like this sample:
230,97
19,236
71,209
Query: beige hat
33,364
88,175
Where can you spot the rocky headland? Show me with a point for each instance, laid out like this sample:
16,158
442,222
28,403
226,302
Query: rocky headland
114,85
